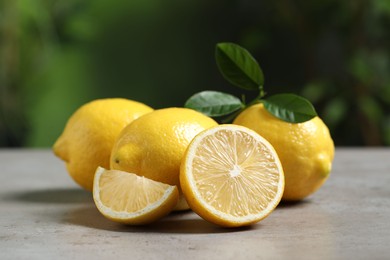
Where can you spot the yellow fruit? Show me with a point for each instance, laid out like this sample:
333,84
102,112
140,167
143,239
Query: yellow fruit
154,144
306,150
128,198
231,176
90,133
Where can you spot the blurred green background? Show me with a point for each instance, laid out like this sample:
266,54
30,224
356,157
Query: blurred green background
56,55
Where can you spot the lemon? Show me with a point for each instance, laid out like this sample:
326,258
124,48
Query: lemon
90,133
154,144
306,150
130,199
231,176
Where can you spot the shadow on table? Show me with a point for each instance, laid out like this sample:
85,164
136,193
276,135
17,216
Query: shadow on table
295,204
87,214
175,223
62,195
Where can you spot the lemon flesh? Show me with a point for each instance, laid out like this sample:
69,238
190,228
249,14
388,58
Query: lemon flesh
231,176
131,199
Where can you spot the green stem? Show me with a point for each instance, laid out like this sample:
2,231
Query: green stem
232,116
258,98
261,92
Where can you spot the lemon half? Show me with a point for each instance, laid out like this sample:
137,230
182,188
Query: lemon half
231,176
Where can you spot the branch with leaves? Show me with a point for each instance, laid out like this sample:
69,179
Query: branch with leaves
242,70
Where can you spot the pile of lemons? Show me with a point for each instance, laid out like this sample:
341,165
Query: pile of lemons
141,163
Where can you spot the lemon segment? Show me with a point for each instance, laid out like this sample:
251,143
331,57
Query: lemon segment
131,199
231,176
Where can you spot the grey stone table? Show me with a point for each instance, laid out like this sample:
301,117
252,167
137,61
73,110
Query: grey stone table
44,215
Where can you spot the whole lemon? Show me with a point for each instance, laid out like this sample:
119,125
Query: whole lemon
306,150
154,144
90,133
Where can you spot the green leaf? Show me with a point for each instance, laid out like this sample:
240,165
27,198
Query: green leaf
290,108
238,66
214,103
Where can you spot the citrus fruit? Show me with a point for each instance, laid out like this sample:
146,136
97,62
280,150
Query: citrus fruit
90,133
128,198
154,144
306,150
231,176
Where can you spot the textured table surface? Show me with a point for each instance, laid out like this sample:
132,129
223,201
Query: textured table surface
44,215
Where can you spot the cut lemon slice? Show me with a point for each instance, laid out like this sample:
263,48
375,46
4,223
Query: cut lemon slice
231,176
131,199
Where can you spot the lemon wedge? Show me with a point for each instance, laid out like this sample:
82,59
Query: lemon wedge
131,199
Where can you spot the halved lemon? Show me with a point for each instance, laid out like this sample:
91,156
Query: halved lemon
131,199
231,176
